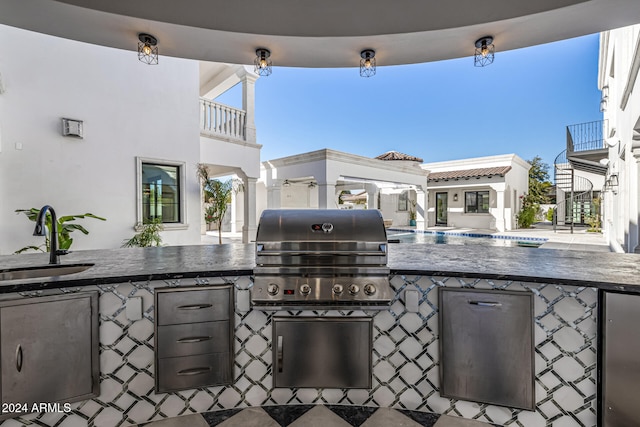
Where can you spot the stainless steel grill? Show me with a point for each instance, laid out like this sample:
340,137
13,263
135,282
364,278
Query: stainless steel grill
308,259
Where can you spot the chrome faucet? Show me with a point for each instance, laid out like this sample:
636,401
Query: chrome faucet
54,253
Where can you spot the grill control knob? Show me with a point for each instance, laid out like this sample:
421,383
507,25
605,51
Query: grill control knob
369,289
305,289
337,289
353,289
272,289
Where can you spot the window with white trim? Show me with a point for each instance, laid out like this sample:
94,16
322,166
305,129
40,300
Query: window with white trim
161,192
476,201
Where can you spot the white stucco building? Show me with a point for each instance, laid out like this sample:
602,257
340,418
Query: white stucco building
316,180
618,68
481,192
144,131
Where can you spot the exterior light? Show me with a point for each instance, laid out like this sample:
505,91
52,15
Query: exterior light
485,51
455,197
613,179
367,63
262,62
286,183
604,101
148,49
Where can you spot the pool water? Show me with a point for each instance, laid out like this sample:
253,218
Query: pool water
447,239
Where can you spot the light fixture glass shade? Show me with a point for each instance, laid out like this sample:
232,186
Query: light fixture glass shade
485,52
613,179
262,62
367,63
147,49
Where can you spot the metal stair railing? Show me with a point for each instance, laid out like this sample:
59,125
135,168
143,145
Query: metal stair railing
586,136
574,194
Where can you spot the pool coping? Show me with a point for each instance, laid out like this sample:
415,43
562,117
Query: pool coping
469,234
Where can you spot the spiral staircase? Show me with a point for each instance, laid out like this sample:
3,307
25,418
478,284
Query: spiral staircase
574,193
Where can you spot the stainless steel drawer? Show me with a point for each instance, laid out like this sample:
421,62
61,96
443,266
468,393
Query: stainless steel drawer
191,339
180,373
191,306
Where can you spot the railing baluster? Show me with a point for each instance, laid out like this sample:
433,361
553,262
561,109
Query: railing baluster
222,120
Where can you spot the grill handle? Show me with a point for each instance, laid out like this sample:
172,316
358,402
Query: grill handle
321,253
280,352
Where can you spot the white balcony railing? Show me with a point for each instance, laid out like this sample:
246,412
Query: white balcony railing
222,120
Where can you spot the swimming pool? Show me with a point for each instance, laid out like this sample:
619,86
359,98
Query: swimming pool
439,237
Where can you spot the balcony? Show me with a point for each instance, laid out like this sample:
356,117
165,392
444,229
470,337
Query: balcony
586,146
222,121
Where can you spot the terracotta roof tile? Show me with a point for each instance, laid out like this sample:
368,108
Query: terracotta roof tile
469,173
395,155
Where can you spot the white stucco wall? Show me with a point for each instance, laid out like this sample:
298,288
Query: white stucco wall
504,192
129,109
618,78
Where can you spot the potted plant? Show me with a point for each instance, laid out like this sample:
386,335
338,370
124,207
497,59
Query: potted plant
65,227
148,235
412,214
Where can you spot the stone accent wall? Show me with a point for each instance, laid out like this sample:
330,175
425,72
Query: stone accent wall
405,360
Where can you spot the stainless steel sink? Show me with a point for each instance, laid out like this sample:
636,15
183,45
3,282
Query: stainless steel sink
42,271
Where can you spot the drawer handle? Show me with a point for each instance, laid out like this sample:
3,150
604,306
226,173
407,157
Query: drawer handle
194,306
19,358
192,339
280,354
486,303
195,371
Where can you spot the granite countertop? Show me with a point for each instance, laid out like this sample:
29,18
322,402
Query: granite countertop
564,267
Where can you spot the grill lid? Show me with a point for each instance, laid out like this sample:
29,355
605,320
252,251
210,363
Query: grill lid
321,225
321,258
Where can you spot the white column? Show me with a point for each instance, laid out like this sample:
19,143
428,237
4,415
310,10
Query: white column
234,200
250,224
372,196
634,198
249,106
327,195
274,194
421,210
500,210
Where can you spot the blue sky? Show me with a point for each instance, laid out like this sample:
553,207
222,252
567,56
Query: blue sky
439,111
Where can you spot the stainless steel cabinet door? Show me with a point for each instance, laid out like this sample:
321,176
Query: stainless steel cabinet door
49,349
322,352
486,346
620,360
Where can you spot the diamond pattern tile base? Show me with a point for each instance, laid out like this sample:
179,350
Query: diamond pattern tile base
405,360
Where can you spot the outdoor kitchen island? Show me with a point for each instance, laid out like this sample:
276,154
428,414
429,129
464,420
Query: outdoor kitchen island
405,336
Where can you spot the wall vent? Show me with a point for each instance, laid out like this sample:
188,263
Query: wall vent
72,127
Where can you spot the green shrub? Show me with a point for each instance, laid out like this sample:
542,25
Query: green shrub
526,217
550,214
527,214
149,235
